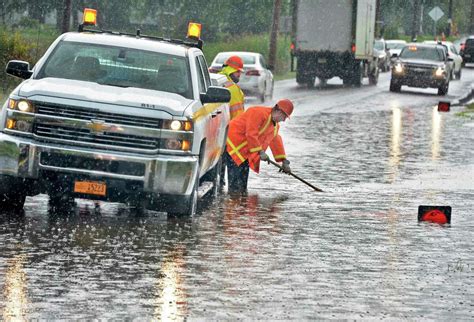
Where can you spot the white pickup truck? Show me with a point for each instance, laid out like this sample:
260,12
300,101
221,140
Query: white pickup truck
115,117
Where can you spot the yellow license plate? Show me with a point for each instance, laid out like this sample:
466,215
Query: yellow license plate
90,187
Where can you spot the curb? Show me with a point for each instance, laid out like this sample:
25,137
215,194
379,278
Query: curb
464,98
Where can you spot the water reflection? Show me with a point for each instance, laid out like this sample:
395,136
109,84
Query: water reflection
396,131
15,290
435,133
170,303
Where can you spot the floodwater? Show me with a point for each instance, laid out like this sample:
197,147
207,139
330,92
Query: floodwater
283,251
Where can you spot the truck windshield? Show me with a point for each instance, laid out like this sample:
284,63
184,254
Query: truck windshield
118,66
421,53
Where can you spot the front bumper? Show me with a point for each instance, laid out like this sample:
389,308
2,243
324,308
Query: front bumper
162,174
419,81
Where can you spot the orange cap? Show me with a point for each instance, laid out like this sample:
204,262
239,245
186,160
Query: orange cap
286,106
235,62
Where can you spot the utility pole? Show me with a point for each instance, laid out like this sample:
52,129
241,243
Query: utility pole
66,16
471,29
416,19
378,20
450,18
274,35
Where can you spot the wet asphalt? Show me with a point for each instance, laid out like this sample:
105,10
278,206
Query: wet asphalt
283,251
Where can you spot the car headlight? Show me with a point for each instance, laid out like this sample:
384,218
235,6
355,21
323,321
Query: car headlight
177,125
21,105
439,72
398,68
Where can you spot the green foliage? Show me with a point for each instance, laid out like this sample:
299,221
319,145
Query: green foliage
13,47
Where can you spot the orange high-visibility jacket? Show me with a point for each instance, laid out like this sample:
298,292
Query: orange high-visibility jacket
251,132
236,104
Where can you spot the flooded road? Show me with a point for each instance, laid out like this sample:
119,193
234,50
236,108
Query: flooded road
284,251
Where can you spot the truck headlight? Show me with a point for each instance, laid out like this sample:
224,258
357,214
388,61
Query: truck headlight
439,72
174,144
19,125
398,68
21,105
177,125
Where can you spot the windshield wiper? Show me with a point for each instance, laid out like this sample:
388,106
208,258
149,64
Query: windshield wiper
112,84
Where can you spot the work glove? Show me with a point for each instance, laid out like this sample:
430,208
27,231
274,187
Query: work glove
263,156
285,166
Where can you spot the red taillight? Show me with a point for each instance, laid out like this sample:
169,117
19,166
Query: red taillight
253,72
292,46
214,70
353,48
462,46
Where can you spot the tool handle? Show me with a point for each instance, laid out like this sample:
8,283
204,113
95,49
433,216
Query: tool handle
295,176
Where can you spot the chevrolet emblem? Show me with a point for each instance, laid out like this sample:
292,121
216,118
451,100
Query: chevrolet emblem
98,126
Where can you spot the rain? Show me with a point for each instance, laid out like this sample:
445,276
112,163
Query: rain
116,200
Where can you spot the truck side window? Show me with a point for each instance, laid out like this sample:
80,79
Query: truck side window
205,70
201,83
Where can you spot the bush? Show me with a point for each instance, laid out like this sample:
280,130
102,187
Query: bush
13,47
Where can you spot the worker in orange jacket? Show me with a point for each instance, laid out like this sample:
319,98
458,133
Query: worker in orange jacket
232,69
250,134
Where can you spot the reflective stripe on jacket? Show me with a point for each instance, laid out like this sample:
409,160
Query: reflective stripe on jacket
252,132
236,95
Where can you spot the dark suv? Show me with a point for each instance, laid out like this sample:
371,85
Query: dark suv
467,53
422,65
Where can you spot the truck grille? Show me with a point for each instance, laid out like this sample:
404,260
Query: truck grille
84,135
84,163
420,69
89,114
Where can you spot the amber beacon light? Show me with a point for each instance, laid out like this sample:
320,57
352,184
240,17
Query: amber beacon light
90,17
194,30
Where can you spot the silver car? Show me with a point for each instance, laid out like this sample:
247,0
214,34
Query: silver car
454,54
256,80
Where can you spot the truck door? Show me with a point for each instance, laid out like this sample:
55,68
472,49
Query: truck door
214,119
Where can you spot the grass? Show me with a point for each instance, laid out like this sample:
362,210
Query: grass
468,112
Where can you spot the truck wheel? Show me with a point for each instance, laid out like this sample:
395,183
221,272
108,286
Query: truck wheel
358,75
188,205
395,87
323,82
374,77
310,82
12,201
216,178
60,202
443,90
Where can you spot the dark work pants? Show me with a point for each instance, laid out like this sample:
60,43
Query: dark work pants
237,176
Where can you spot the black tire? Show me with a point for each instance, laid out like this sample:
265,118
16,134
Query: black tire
12,201
458,74
443,90
310,82
270,95
60,201
395,87
374,77
187,205
217,180
323,82
358,75
261,96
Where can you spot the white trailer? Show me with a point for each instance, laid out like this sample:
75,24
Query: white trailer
334,39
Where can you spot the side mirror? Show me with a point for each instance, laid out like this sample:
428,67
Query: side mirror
394,55
216,94
19,68
450,59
